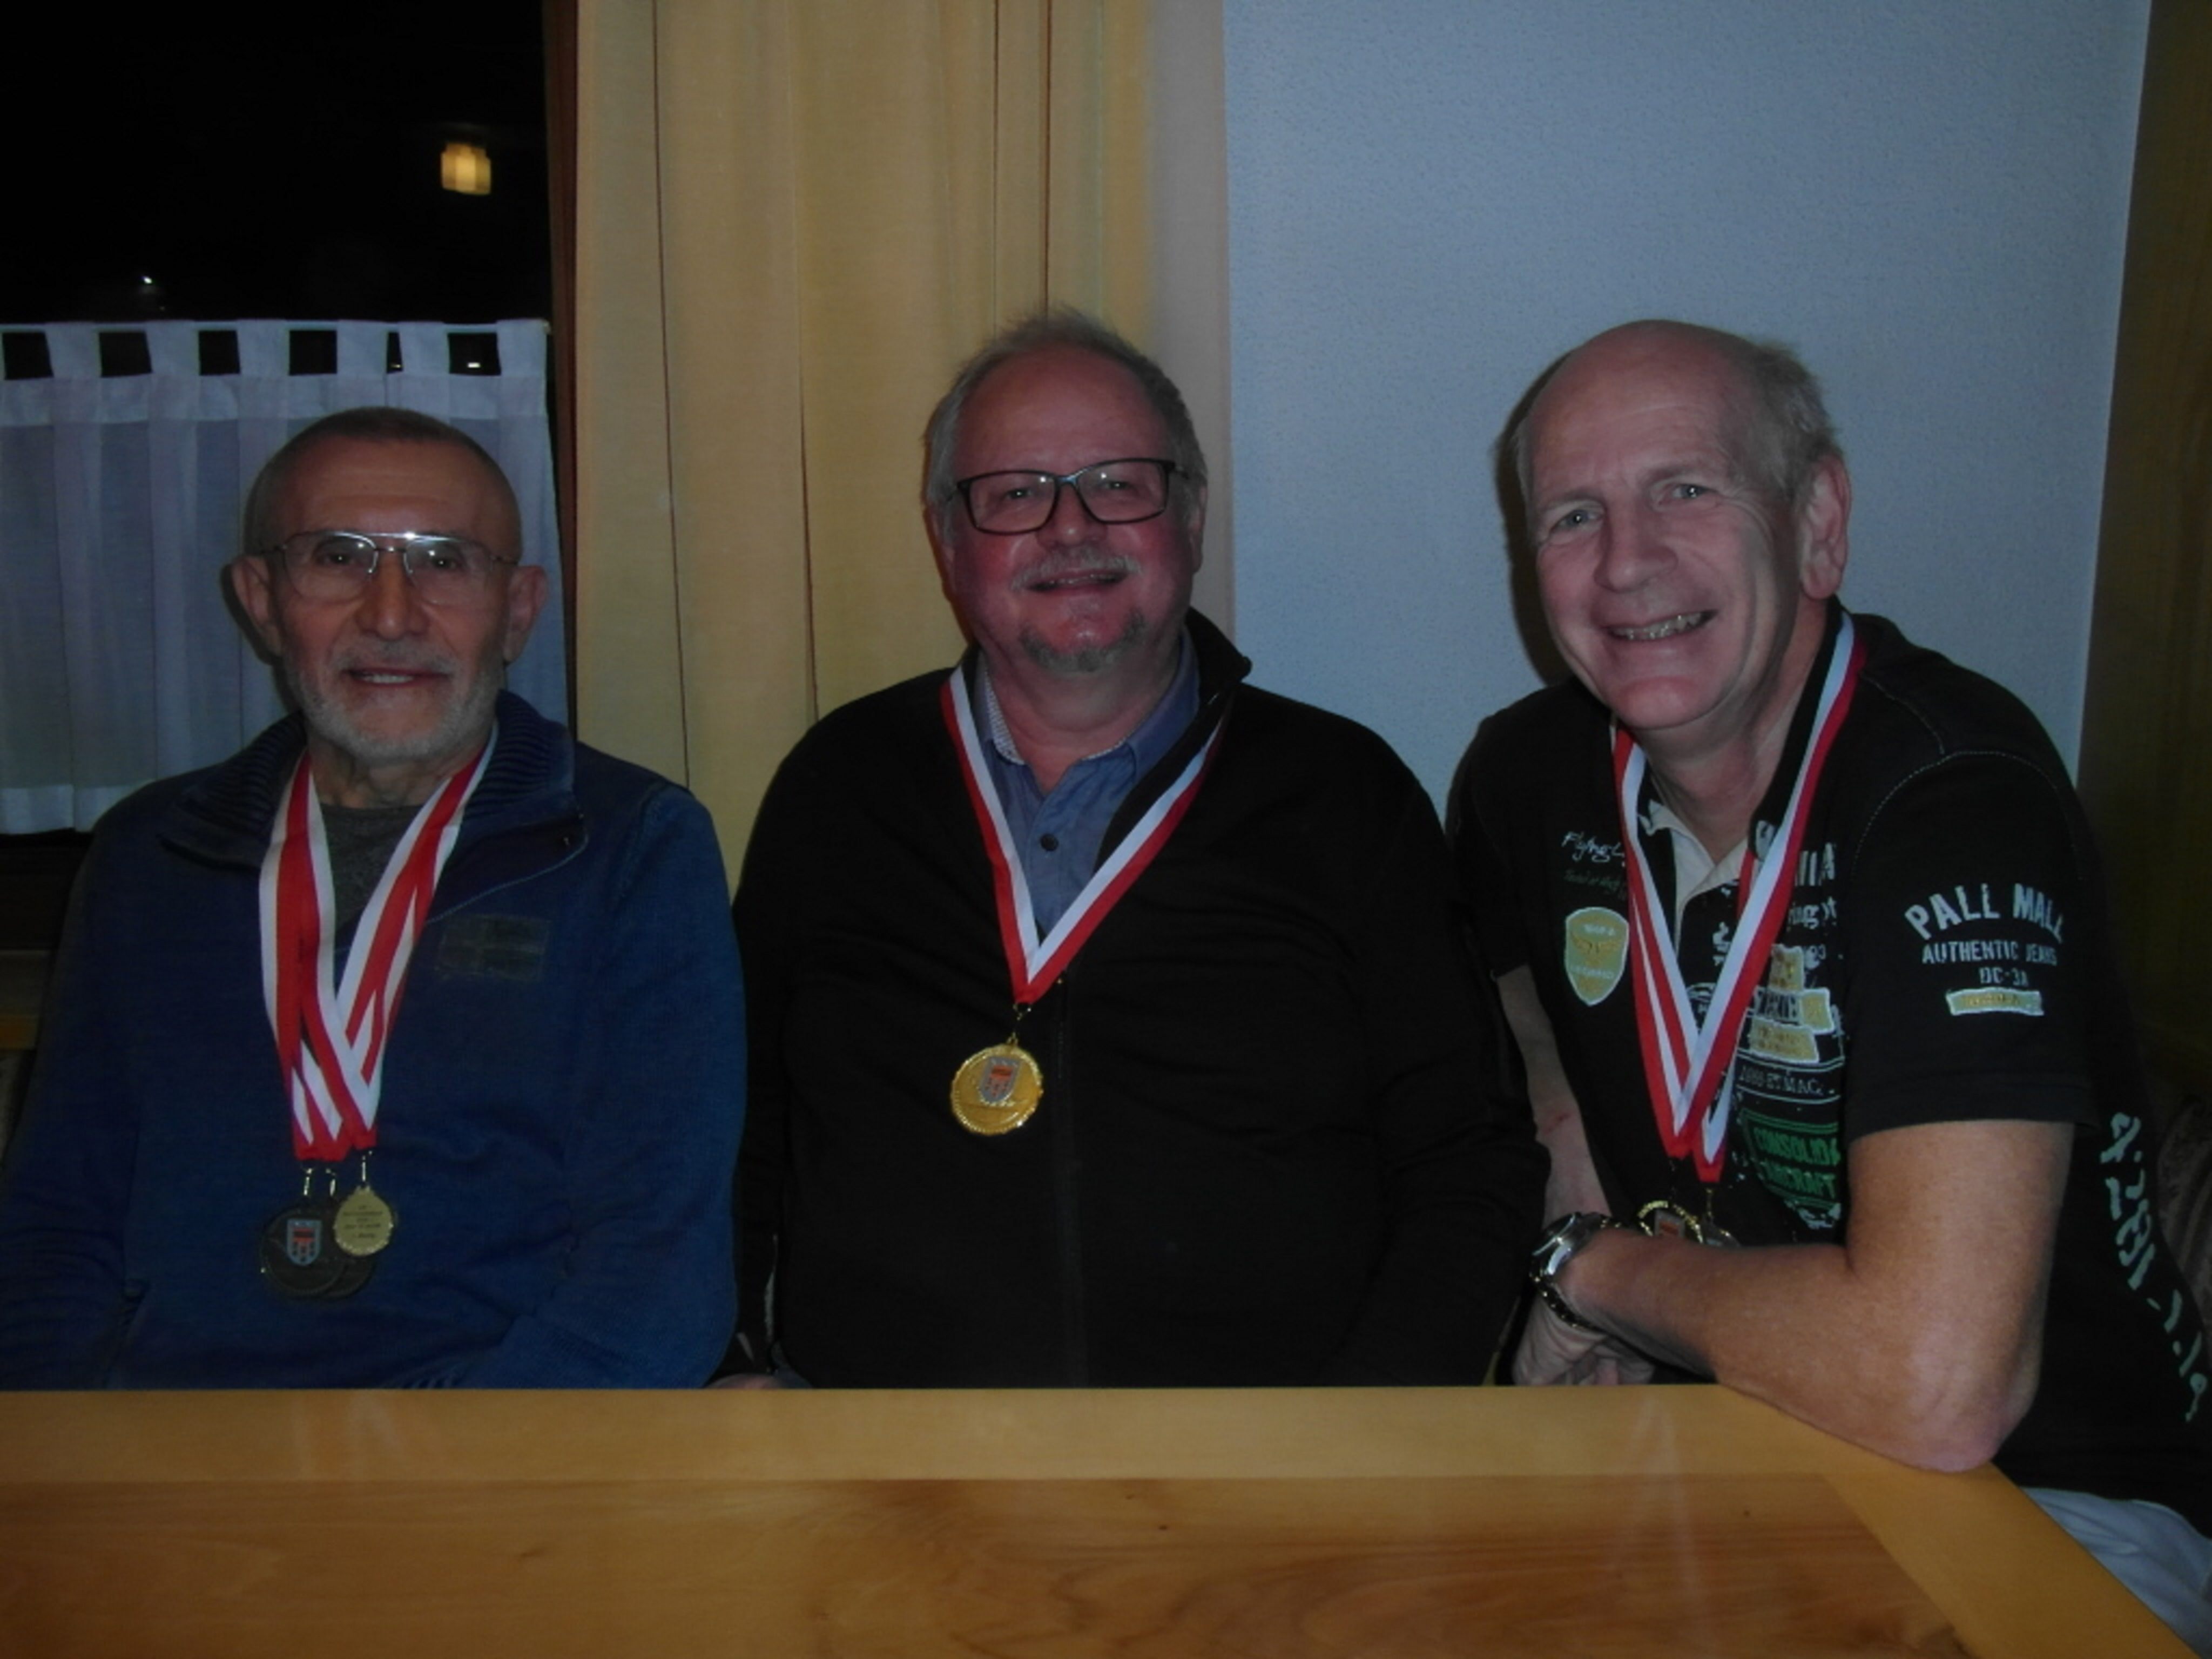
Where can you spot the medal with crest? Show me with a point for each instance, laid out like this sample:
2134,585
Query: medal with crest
331,1033
997,1090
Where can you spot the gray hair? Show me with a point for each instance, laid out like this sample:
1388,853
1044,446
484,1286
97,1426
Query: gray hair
1785,431
1063,327
376,423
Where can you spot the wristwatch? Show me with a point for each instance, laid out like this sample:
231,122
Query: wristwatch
1558,1246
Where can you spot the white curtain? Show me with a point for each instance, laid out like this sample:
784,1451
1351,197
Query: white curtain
119,499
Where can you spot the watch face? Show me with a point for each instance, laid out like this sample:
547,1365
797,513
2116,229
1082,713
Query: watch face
1551,1247
1561,1239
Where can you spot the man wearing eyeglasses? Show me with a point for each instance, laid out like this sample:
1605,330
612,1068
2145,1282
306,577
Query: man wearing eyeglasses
402,1048
1110,1024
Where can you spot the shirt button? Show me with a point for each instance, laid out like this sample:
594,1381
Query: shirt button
1050,844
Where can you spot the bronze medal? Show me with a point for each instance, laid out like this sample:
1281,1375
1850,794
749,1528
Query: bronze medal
354,1272
997,1089
362,1224
298,1255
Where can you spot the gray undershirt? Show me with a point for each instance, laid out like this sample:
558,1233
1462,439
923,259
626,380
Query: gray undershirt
362,840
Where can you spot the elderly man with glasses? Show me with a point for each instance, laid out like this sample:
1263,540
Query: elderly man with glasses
1110,1021
403,1047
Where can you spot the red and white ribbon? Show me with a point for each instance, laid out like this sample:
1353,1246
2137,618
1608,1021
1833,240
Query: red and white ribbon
1033,963
331,1035
1689,1066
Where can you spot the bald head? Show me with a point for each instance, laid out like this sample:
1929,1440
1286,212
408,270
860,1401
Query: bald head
1778,429
1688,519
372,423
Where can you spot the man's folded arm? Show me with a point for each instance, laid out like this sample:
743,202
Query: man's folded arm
1919,1337
1551,1351
1573,1183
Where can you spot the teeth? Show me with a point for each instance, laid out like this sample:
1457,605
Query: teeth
1663,631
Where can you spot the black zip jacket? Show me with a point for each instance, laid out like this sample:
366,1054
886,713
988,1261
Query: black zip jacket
1270,1149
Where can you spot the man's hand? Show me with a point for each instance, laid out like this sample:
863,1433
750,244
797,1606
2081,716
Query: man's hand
1922,1338
1552,1350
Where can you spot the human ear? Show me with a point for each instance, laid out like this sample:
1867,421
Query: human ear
253,585
526,598
1824,528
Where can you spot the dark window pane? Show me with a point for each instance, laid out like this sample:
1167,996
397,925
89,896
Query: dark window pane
123,352
24,357
218,352
472,354
314,351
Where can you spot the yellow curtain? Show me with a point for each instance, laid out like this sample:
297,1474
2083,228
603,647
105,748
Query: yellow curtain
2147,719
794,218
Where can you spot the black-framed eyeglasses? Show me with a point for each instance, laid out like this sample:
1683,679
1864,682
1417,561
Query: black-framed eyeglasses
335,565
1126,491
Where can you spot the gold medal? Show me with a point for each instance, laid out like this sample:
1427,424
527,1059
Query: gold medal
996,1089
364,1222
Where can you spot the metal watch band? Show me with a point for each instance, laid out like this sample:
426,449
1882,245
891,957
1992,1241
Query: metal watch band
1566,1316
1559,1243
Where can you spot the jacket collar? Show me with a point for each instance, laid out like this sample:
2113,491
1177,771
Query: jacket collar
224,814
1221,666
1221,669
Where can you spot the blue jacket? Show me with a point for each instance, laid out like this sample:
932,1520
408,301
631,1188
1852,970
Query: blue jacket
561,1105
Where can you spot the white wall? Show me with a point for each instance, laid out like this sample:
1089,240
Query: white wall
1429,200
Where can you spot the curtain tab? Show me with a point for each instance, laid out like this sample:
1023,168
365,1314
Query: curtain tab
265,350
521,347
361,350
173,349
424,349
73,351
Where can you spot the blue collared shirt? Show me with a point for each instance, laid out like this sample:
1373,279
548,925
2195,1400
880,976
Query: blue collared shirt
1059,835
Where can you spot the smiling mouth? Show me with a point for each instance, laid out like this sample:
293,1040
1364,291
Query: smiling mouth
1098,576
392,676
1665,629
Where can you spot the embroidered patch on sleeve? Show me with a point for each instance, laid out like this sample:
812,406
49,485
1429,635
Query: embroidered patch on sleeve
1995,999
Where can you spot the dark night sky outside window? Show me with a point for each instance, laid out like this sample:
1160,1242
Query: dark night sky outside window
273,163
252,161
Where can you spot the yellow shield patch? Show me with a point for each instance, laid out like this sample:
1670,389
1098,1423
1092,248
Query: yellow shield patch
1597,950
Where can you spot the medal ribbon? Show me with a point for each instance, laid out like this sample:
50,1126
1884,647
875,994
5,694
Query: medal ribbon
1033,964
1689,1068
330,1036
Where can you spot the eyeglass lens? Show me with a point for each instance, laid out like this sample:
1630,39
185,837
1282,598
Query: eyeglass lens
1113,492
338,564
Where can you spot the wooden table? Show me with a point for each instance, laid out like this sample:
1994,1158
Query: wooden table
1653,1521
